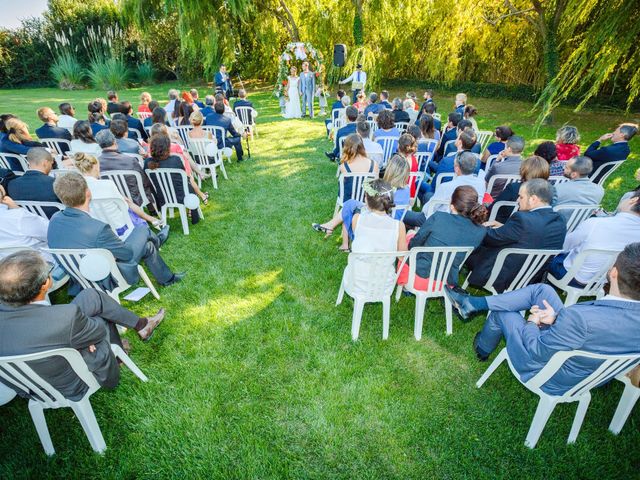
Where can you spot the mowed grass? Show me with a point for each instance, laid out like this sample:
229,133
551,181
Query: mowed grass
253,374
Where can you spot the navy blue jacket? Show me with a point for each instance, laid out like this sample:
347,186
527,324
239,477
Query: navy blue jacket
616,152
400,116
451,134
35,186
374,108
96,127
199,103
386,104
219,120
133,122
52,131
208,110
7,146
345,131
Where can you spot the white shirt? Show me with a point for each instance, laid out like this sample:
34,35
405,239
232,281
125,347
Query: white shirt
605,233
78,146
66,121
21,228
170,107
357,76
445,190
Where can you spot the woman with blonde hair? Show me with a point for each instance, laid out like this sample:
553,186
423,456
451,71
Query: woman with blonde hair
196,119
567,138
19,139
145,99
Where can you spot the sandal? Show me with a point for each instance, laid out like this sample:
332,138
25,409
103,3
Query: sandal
205,200
319,228
345,250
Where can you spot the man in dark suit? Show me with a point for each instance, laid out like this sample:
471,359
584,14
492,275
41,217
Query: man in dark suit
50,128
133,122
463,125
242,100
374,107
428,100
36,184
218,119
430,109
196,98
348,129
209,100
450,132
113,106
87,324
534,226
384,100
618,151
399,115
222,81
75,228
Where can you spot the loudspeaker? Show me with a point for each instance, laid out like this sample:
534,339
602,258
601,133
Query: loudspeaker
339,54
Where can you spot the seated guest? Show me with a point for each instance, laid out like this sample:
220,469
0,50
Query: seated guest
336,105
460,103
399,115
409,106
374,107
502,134
170,107
361,101
97,122
469,114
373,149
354,160
18,141
67,116
428,129
186,108
384,100
407,147
535,226
73,227
242,100
530,168
50,129
344,132
598,233
465,142
580,190
430,109
133,122
19,227
83,140
607,326
209,100
548,151
567,138
3,127
158,115
428,100
463,125
386,125
36,184
450,132
87,324
196,98
460,227
145,98
232,138
120,130
111,159
508,163
114,105
161,157
618,151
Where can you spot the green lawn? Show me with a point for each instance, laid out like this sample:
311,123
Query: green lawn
253,374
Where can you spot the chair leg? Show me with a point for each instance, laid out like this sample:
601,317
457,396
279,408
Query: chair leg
421,302
627,401
448,312
163,214
214,176
579,418
386,316
184,219
543,412
122,355
502,356
87,418
147,282
358,306
340,294
398,292
572,298
224,171
37,415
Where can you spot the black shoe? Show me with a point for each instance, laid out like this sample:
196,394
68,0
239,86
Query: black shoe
177,277
460,300
482,356
240,160
330,156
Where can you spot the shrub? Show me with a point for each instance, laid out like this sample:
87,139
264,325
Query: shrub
67,72
108,73
145,73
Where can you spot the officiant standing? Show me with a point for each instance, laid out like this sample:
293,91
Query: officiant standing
307,88
223,82
358,80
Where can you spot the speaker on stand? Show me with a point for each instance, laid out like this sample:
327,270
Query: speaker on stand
339,56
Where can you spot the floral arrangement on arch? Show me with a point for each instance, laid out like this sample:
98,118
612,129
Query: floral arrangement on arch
295,54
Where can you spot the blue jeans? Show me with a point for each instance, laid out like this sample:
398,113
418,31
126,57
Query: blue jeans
556,268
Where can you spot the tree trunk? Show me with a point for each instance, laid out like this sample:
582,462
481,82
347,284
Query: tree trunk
289,22
358,28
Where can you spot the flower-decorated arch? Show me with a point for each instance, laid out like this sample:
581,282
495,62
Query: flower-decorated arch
295,54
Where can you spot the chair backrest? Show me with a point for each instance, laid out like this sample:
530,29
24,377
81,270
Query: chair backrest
506,179
198,148
489,162
557,179
15,371
143,115
112,211
148,130
379,271
340,145
336,114
17,159
446,146
579,213
423,159
402,209
483,138
402,126
70,259
495,209
534,261
448,176
183,132
137,157
441,264
245,114
40,208
606,257
162,178
373,126
357,190
56,145
119,177
389,146
611,366
433,205
605,170
219,133
135,132
416,178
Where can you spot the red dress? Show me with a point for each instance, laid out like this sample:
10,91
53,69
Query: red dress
566,151
144,108
413,160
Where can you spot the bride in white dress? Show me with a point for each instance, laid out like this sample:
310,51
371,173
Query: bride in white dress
293,109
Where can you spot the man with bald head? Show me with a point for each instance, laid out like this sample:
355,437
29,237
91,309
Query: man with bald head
36,184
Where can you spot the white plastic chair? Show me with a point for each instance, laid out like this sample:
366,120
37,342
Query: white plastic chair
594,287
144,115
380,269
103,210
389,146
247,117
373,126
495,209
579,213
119,177
20,159
483,138
336,115
558,179
434,205
357,192
441,263
402,126
56,145
137,156
416,178
39,207
446,147
217,134
183,132
534,261
163,180
628,400
507,179
400,208
489,162
70,258
442,177
611,366
608,168
15,371
201,150
136,133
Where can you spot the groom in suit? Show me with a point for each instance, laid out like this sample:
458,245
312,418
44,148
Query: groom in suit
307,88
